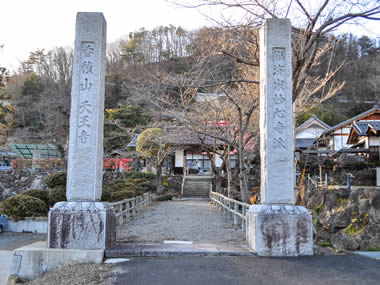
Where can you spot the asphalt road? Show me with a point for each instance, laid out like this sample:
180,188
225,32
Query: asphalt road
250,270
11,241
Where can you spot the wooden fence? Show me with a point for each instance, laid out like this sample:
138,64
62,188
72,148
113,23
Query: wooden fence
232,208
129,207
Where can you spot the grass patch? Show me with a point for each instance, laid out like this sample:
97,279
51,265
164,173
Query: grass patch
373,249
325,244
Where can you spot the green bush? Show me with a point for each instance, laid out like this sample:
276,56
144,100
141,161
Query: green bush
140,175
165,197
57,194
56,179
38,193
21,206
106,194
121,195
325,244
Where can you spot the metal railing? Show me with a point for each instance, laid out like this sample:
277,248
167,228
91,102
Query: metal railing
231,208
129,207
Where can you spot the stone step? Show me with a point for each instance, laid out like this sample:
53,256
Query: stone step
153,250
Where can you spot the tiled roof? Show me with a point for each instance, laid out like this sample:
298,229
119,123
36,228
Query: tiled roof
358,117
304,143
375,125
310,121
360,127
183,136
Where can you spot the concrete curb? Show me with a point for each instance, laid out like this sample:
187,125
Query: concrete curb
369,254
31,261
156,250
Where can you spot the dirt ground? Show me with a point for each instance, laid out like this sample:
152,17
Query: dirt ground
188,220
78,274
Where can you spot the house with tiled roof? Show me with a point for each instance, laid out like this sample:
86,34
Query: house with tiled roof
345,136
190,150
365,135
307,133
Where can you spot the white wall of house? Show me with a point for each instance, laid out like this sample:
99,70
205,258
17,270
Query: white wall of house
179,158
340,138
218,160
310,133
374,141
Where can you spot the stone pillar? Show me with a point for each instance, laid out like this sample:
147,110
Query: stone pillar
277,227
83,222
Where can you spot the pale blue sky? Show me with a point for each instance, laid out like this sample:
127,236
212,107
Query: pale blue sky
27,25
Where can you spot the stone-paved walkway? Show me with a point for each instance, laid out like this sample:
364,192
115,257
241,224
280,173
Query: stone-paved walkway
192,220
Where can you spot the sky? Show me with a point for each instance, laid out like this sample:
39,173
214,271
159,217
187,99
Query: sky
28,25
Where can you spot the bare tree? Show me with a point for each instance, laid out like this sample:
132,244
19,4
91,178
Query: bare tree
237,79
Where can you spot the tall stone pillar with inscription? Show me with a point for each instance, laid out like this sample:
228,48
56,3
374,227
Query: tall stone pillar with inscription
83,222
277,227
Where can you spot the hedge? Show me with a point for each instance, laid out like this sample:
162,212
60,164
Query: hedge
38,193
21,206
58,194
56,179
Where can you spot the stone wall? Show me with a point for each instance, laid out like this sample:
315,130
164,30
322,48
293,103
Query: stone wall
343,219
13,182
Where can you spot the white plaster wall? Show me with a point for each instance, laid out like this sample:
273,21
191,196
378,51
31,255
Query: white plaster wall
179,158
218,160
29,225
374,141
310,133
340,141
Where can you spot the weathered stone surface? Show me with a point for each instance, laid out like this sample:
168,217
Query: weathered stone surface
276,116
82,222
276,230
323,251
85,159
30,262
342,241
341,220
330,200
364,206
316,199
343,193
84,225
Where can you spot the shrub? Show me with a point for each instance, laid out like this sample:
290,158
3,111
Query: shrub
57,194
140,175
21,206
325,244
106,194
121,195
56,179
165,197
38,193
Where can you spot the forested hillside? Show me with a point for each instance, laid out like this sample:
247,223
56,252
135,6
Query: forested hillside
167,65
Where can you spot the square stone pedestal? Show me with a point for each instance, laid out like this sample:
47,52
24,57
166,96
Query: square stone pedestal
280,230
81,225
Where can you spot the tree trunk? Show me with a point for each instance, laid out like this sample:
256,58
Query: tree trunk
159,186
244,193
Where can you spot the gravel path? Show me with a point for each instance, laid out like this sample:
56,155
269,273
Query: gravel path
191,220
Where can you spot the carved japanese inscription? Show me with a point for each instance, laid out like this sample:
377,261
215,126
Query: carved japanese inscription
87,76
278,98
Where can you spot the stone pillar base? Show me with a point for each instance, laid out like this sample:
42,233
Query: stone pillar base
280,230
81,225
